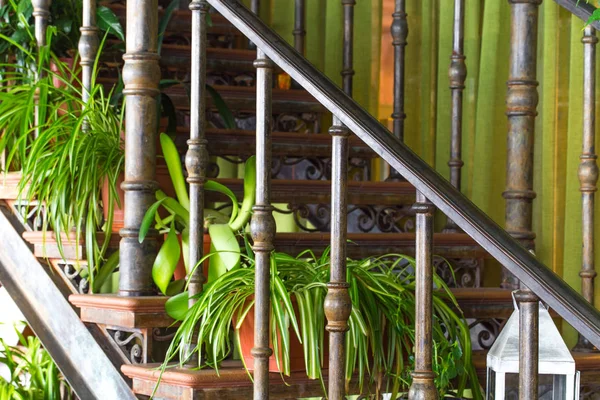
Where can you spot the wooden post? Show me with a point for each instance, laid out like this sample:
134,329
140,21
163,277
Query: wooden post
141,75
521,103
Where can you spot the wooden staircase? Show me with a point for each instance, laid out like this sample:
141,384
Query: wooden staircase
381,222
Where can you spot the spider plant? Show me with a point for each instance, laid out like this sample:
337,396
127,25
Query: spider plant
381,338
78,146
32,373
221,228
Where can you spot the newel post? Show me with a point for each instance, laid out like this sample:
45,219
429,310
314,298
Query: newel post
141,76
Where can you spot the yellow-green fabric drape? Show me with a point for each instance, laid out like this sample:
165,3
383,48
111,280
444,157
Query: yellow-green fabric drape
558,140
557,208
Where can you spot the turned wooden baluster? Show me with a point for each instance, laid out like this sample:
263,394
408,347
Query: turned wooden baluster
528,344
588,172
399,31
41,13
457,74
196,158
141,75
337,302
299,26
262,226
88,46
423,386
521,103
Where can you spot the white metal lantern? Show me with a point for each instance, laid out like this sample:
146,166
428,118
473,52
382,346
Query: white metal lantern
558,379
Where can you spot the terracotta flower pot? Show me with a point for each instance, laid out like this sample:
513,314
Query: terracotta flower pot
296,350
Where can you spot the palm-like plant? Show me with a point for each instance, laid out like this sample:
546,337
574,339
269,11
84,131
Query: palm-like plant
381,337
32,372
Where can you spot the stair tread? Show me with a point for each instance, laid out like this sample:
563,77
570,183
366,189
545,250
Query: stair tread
319,191
238,142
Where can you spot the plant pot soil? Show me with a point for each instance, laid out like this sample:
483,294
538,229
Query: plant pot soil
297,363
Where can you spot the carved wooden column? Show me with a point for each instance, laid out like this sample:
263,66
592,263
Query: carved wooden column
299,26
528,344
338,305
399,31
141,75
41,13
423,386
88,46
457,74
588,173
262,226
196,158
521,103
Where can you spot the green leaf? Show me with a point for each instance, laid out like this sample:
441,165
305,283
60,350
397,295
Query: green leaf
175,287
106,270
249,195
226,245
177,306
221,106
164,22
107,21
149,219
166,261
175,171
594,17
220,188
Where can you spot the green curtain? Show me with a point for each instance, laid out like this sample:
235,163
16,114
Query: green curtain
557,208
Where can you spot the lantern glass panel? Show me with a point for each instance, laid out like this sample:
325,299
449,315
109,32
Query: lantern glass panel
505,386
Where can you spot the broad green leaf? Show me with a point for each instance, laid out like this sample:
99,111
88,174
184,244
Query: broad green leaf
220,188
107,21
226,245
106,270
149,219
177,306
175,171
175,287
216,267
222,107
249,195
166,261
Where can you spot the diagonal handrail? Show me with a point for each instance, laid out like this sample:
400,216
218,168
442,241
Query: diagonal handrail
496,241
580,8
72,346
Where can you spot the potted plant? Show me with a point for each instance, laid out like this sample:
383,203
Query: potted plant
381,337
32,372
221,228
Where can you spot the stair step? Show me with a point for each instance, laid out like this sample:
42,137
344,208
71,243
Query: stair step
319,192
231,383
237,142
177,57
9,185
119,311
181,22
448,245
